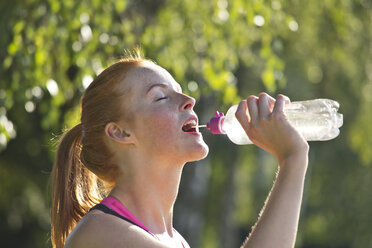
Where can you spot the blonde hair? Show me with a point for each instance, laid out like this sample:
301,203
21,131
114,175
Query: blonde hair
83,169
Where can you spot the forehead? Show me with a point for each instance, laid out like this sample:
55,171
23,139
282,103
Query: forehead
142,77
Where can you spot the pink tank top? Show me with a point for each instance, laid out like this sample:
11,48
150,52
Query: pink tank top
115,205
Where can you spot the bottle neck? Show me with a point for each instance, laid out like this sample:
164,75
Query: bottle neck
216,122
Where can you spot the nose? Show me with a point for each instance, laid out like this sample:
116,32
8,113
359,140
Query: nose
188,103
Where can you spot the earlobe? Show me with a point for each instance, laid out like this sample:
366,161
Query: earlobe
116,133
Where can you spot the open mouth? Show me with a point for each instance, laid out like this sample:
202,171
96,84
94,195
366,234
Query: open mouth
189,126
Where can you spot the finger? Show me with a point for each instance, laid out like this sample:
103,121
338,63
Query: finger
281,101
252,102
271,103
263,106
242,116
266,105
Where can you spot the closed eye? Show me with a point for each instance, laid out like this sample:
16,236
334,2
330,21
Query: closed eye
162,98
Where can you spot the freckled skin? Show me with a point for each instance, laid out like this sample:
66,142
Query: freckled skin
157,124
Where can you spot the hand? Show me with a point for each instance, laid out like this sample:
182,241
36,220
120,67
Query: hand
267,126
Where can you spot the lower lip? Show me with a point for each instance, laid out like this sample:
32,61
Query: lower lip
194,133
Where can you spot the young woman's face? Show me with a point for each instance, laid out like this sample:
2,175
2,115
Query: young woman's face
162,117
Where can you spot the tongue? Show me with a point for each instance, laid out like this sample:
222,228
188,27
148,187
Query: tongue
188,128
191,130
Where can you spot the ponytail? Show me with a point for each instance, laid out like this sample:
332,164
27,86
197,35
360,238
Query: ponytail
85,168
74,187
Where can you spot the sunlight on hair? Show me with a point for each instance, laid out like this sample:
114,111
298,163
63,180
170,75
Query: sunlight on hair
135,53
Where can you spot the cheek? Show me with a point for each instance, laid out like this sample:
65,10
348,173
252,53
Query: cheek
161,127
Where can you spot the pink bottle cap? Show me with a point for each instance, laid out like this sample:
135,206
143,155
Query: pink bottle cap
215,124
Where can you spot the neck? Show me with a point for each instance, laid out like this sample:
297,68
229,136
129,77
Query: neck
149,191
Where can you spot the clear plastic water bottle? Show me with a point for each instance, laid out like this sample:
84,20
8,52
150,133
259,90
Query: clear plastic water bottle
316,120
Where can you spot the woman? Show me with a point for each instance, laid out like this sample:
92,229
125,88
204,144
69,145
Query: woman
137,131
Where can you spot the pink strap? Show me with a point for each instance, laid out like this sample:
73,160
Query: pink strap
119,208
116,205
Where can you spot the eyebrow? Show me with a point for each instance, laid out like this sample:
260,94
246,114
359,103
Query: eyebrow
159,85
156,85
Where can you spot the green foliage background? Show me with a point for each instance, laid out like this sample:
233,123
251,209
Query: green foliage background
220,52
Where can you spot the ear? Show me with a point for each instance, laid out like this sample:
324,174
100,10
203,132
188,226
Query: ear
116,133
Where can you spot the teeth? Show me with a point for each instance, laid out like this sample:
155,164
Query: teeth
191,122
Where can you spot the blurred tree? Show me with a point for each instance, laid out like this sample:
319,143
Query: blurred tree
219,51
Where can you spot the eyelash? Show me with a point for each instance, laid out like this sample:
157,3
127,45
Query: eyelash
162,98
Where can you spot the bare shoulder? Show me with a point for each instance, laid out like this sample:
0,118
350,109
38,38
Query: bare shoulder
98,230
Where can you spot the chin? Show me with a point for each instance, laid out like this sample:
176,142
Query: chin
199,153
